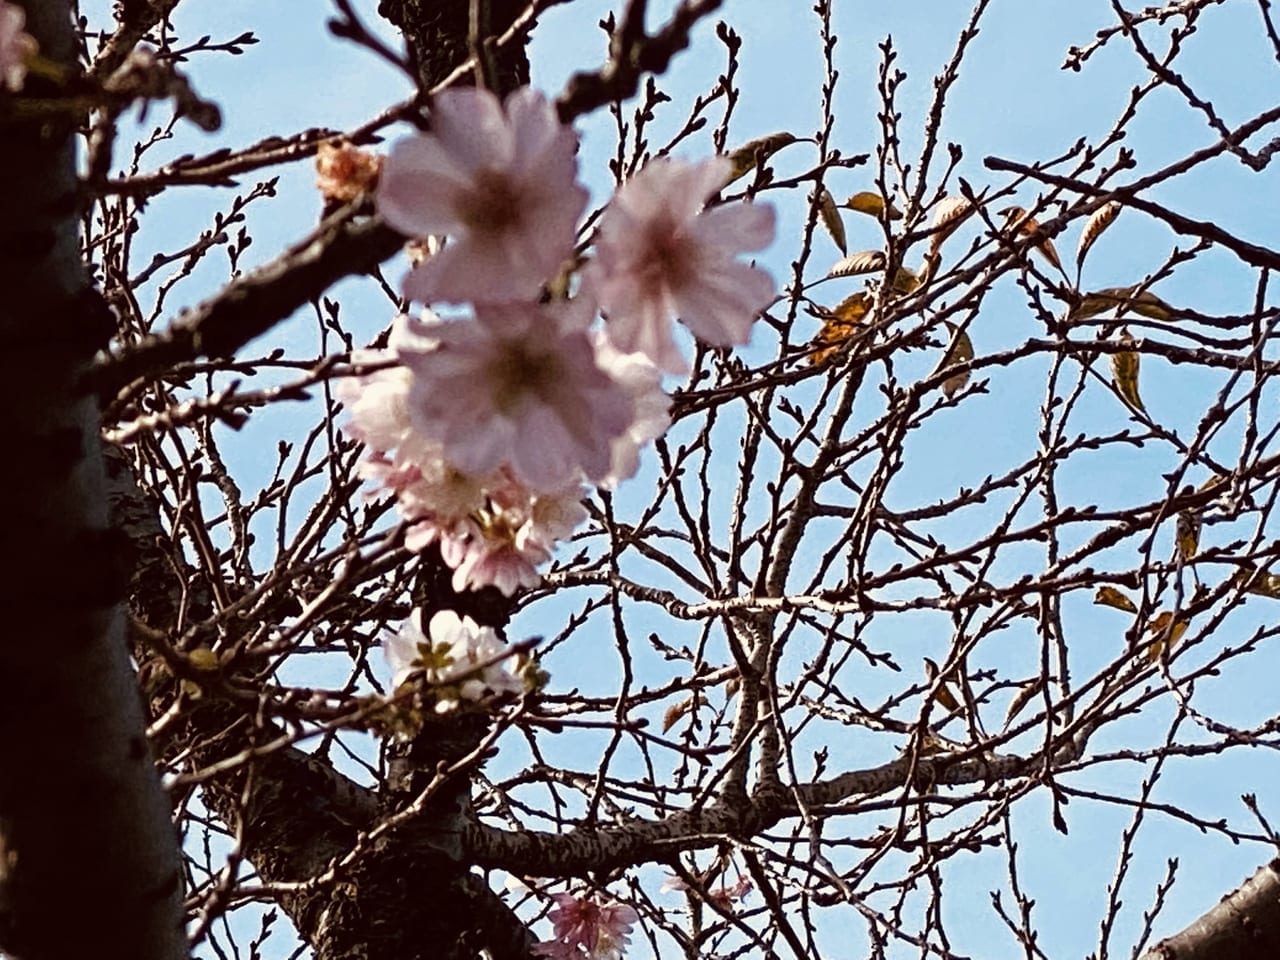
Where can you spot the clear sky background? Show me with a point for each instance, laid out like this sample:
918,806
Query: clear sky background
1012,101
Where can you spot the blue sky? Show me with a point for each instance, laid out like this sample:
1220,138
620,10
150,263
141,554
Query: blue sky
1012,101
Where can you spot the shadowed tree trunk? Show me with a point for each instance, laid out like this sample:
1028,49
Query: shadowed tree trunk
88,855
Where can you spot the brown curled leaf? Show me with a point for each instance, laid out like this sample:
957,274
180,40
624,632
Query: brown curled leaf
1017,220
1108,596
831,219
1098,221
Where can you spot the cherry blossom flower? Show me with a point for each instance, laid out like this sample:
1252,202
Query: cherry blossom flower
660,255
456,658
492,528
724,895
587,929
500,181
521,385
16,45
515,534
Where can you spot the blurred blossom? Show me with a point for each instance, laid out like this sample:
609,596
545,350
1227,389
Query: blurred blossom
16,46
660,255
500,181
515,534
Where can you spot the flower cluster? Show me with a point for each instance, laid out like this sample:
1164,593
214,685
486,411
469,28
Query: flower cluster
485,427
16,46
587,930
454,657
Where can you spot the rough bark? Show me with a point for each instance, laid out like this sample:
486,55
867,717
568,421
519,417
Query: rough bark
1243,925
88,854
438,34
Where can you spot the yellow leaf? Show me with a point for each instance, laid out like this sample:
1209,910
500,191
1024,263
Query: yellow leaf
831,219
1124,373
1017,219
839,325
753,152
943,695
1111,597
1098,221
865,261
960,350
1164,634
853,308
947,216
1024,696
871,204
1121,300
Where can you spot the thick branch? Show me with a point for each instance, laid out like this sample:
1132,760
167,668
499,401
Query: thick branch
1244,925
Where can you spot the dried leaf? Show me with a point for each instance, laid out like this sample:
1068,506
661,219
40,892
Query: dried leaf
960,350
906,280
831,218
931,744
1098,221
1017,219
1124,373
839,325
947,216
1025,694
943,694
1122,300
677,710
1164,634
1187,529
1111,597
871,204
865,261
1258,582
753,152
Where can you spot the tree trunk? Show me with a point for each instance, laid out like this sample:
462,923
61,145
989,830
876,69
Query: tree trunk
88,854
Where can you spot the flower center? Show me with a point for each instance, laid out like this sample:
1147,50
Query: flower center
669,258
517,372
492,205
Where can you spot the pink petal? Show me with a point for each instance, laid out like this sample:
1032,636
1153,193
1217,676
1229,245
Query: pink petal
722,305
735,227
470,124
419,187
